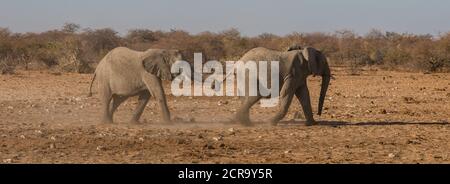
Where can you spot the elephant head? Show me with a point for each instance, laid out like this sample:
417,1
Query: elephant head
294,47
159,64
318,65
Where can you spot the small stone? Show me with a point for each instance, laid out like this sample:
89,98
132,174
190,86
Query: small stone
7,161
200,136
391,155
22,136
209,146
181,141
10,107
52,146
287,151
217,138
53,138
141,139
231,129
222,103
100,148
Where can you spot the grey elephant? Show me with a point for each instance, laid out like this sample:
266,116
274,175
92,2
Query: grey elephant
295,65
123,73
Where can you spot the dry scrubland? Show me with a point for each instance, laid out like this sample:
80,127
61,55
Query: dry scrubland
76,49
374,117
370,115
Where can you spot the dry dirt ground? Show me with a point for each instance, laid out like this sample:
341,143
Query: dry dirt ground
374,117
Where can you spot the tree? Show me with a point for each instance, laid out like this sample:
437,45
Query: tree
141,35
71,27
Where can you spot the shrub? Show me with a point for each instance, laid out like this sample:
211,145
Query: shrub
7,66
72,50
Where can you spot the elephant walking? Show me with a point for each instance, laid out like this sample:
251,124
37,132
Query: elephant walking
295,66
124,73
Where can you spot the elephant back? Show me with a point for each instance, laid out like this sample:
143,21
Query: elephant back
121,62
261,54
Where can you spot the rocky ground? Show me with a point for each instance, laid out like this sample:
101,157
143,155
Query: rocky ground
374,117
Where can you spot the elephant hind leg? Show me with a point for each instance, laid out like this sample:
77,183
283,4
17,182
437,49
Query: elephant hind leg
142,101
286,95
284,107
115,103
243,114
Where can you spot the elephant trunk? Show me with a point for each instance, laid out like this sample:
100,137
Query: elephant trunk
323,91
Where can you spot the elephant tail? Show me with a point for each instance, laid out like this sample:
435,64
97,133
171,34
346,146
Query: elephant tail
90,87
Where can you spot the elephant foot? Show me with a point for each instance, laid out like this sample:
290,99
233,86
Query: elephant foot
243,120
168,121
133,121
247,124
107,121
274,123
311,122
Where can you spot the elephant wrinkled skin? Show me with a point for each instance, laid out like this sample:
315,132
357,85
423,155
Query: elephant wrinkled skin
123,73
295,66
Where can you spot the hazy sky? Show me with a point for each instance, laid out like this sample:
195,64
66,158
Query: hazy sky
251,17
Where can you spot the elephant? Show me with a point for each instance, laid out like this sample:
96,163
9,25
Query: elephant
295,65
124,73
295,47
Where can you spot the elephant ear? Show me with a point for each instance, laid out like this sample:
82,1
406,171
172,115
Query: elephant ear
312,56
156,65
294,59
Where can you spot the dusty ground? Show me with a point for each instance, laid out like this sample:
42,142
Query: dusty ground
376,117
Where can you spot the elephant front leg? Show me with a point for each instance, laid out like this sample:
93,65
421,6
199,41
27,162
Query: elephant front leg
302,95
142,101
116,100
286,95
153,83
